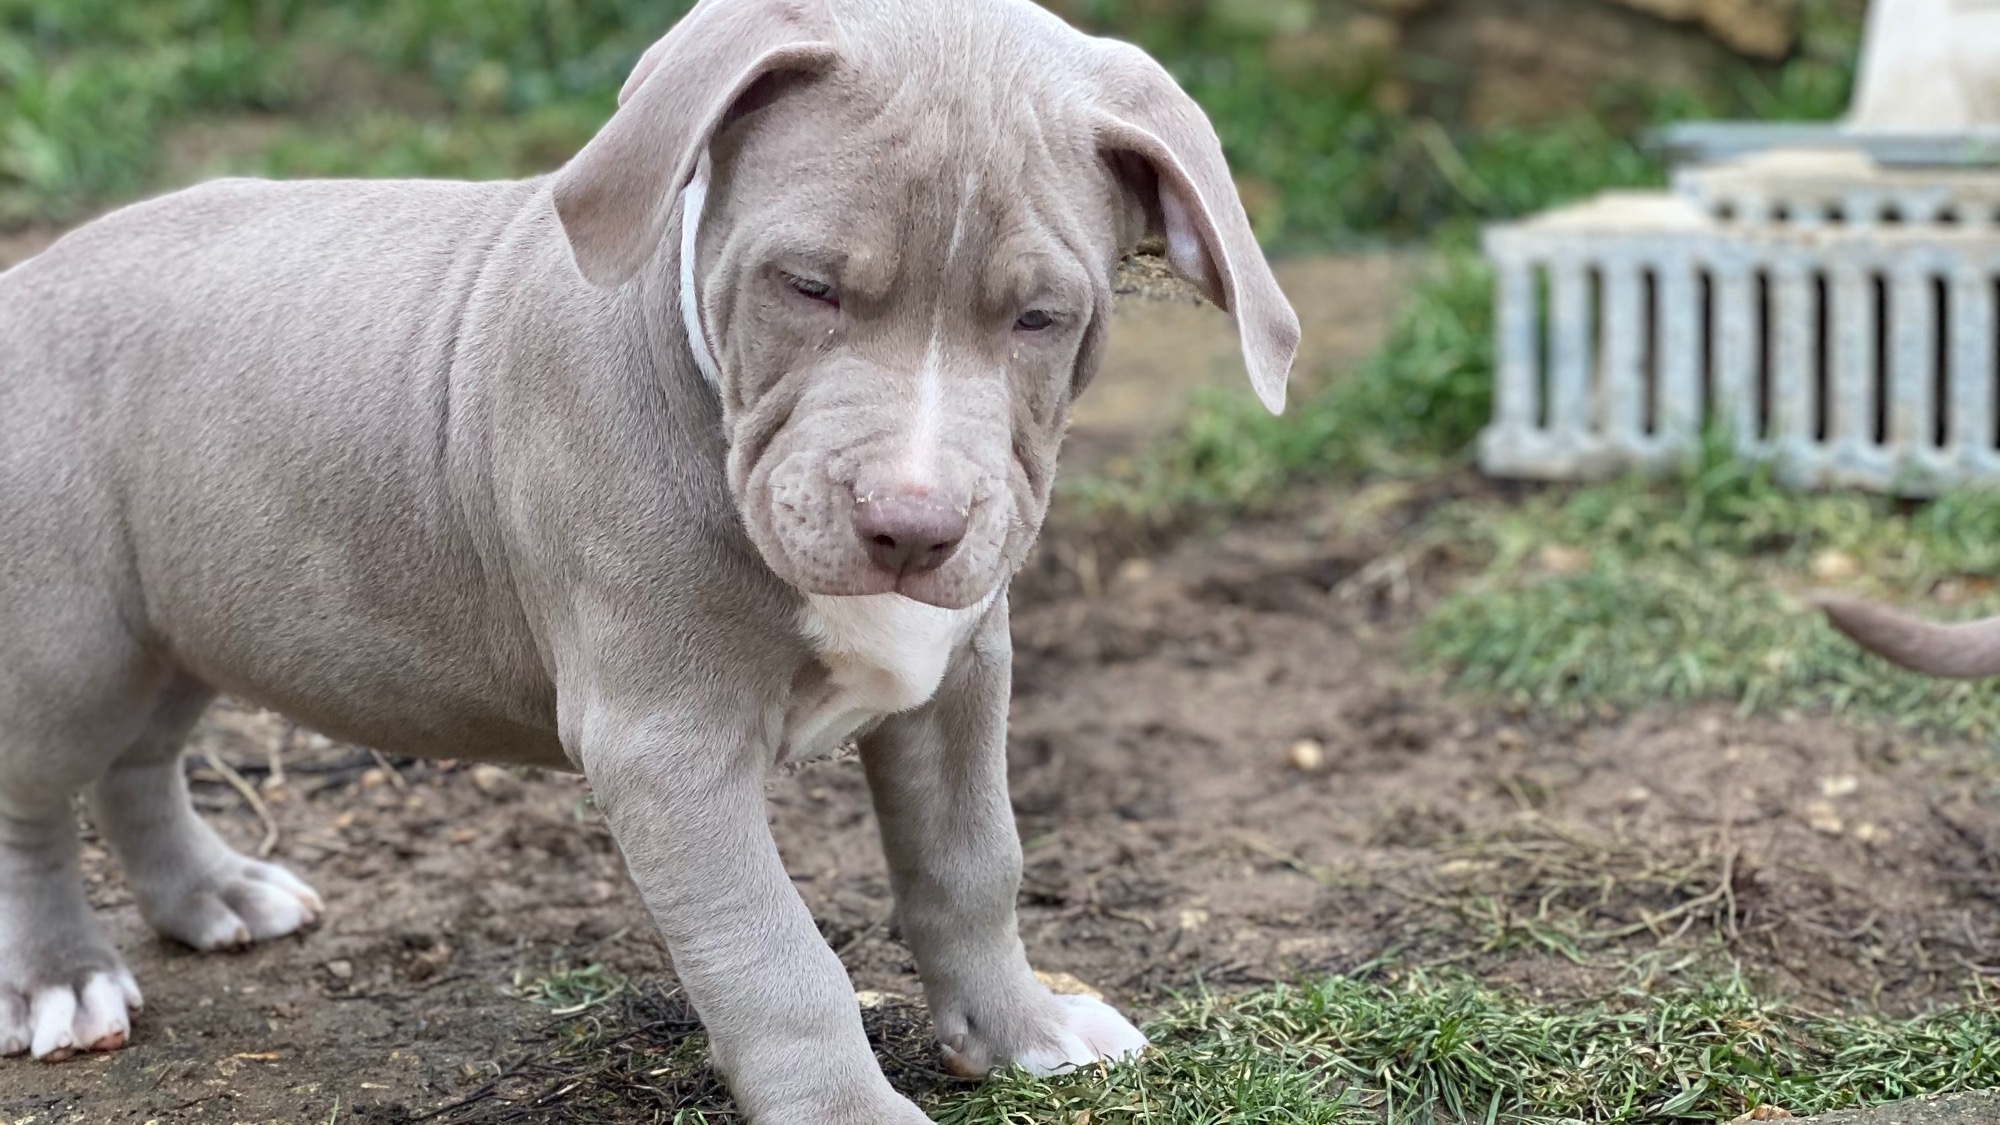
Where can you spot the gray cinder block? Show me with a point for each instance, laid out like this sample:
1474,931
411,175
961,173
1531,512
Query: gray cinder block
1834,317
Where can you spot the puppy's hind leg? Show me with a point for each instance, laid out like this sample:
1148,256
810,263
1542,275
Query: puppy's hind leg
190,886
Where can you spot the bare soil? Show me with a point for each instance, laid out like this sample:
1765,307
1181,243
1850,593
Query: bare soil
1974,1108
1177,834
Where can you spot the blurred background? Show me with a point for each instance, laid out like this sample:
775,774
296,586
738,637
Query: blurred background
1346,119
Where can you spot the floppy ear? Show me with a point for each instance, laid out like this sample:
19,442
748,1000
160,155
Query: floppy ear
1168,154
614,197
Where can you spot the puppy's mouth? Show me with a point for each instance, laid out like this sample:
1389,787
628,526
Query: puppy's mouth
931,588
928,589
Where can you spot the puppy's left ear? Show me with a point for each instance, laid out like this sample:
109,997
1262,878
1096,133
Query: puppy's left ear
1167,152
615,196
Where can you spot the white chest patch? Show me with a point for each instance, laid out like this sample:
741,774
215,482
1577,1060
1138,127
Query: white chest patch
883,653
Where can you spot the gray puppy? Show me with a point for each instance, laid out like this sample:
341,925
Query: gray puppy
707,452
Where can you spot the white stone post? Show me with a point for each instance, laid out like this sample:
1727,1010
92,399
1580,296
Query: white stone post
1929,66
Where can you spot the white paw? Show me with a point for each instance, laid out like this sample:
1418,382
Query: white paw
242,901
1066,1032
54,1021
1092,1032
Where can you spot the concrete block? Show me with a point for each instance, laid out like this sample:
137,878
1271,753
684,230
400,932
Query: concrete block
1857,354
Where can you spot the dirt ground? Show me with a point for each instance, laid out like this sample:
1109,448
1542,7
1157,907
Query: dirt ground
1225,773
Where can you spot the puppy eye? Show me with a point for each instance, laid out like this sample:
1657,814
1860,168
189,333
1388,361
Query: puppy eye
812,290
1034,320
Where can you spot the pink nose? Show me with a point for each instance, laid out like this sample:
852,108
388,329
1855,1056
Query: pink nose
908,531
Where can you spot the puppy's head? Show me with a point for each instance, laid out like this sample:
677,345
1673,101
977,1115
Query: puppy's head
894,226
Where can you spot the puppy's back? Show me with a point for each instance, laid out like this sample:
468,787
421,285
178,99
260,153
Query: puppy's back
233,413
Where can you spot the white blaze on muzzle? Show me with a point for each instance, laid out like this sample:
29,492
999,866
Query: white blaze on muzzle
693,199
924,442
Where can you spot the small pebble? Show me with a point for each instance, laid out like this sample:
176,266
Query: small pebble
1558,559
1135,570
1834,566
1871,833
341,970
495,782
1307,756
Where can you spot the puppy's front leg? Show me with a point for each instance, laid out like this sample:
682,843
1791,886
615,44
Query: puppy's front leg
939,778
684,796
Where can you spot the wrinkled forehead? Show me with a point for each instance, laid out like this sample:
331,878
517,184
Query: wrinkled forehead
892,162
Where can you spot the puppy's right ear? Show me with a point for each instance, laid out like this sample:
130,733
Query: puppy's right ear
615,196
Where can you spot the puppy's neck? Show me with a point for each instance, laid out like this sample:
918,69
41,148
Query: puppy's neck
879,655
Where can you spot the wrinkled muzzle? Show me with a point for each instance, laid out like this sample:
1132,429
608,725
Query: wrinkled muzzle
910,489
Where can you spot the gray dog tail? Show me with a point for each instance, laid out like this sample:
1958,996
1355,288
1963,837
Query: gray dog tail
1961,652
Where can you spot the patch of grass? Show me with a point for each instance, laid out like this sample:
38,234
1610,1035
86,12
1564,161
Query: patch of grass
1424,1048
1411,410
90,89
86,86
568,990
1406,1047
1593,900
1639,592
